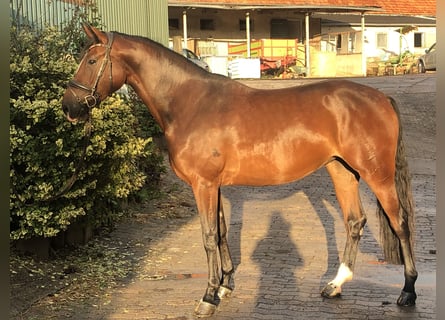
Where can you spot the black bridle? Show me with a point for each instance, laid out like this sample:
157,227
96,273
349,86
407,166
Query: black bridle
90,100
93,97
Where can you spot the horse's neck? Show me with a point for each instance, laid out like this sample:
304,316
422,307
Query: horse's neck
156,81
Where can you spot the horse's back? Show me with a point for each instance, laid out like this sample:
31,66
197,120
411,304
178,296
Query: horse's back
329,110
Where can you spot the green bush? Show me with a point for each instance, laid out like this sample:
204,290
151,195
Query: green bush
45,148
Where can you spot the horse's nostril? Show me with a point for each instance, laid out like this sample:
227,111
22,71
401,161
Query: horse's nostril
64,108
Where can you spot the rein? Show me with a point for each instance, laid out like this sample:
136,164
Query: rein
90,100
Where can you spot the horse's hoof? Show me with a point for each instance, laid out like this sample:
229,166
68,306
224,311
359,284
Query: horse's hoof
331,291
224,292
407,299
204,309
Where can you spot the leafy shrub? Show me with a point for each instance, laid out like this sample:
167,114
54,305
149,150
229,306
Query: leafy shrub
45,148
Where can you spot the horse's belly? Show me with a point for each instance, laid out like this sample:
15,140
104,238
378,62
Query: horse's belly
272,169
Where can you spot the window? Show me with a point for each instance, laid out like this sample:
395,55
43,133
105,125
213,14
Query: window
206,24
352,42
338,42
418,40
242,24
382,40
173,24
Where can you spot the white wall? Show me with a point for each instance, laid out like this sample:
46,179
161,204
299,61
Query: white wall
393,40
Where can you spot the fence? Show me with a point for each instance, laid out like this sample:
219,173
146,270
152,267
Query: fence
147,18
42,13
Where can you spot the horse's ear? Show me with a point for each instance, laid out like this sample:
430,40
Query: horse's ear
94,34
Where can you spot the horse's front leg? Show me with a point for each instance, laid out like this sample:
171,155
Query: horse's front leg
206,195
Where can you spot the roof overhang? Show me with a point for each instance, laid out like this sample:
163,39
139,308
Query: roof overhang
338,19
302,8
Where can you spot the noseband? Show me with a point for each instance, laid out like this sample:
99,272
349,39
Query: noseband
92,98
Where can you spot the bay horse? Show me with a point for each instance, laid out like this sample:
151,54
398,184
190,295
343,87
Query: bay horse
220,132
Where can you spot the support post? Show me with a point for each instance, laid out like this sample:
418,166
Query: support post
184,27
308,54
363,44
248,33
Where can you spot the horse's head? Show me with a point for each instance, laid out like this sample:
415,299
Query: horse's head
95,78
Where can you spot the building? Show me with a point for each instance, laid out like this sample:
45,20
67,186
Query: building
343,35
320,37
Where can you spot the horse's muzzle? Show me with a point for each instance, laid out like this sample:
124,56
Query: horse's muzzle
75,112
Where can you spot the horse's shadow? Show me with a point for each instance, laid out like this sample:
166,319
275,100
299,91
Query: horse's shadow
319,191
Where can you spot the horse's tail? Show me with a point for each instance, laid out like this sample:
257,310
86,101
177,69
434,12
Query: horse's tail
390,242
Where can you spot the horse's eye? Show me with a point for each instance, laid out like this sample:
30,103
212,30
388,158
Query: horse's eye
92,61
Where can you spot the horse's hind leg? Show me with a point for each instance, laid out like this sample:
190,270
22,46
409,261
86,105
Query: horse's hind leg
226,287
396,224
346,185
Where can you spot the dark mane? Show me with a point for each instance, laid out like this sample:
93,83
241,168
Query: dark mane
175,56
161,50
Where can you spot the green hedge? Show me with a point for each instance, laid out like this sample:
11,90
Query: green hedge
45,148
